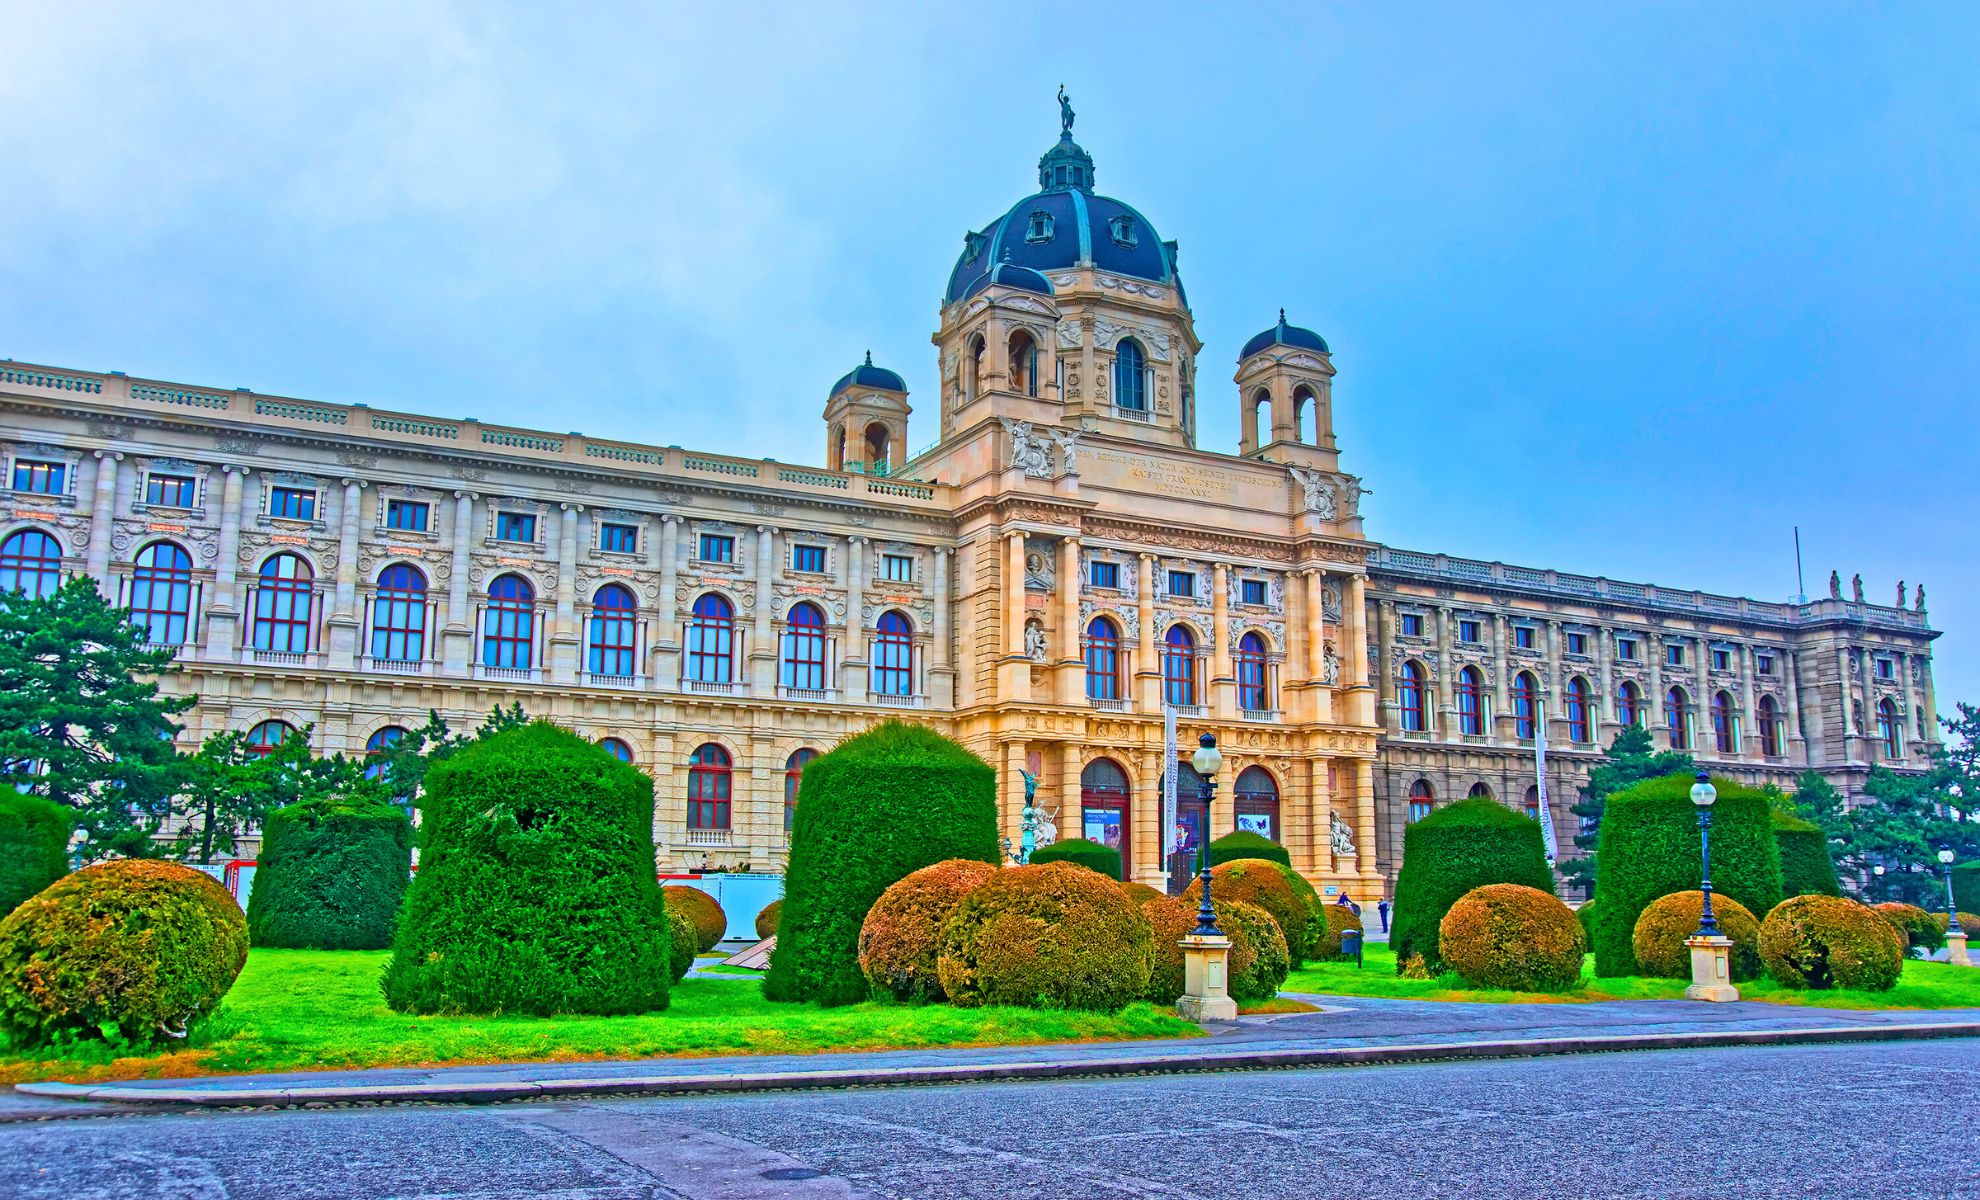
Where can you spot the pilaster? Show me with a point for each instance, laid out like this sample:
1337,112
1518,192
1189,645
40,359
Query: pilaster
103,521
457,636
223,619
342,623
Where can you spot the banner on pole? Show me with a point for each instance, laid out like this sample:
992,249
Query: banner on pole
1546,813
1169,760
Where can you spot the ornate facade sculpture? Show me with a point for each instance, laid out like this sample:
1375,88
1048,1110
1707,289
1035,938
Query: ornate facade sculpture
1319,492
1341,837
1030,452
1034,641
1068,441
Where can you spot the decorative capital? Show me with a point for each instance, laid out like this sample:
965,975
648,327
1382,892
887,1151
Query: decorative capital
111,455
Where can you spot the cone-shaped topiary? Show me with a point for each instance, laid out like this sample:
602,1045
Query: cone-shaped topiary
710,922
1661,930
901,939
1828,942
1457,848
1049,936
1081,852
1505,935
1243,843
1586,915
536,890
1649,848
137,947
1340,919
1276,889
683,943
766,920
1258,962
1806,868
331,875
34,846
1920,932
885,802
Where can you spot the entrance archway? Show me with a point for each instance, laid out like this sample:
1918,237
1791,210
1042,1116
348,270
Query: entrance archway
1103,800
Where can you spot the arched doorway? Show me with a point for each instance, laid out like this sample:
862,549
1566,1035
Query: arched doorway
1255,800
1103,799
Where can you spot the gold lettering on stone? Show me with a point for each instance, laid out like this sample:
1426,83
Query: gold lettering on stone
1170,479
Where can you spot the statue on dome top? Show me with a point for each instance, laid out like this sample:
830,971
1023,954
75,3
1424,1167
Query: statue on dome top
1065,112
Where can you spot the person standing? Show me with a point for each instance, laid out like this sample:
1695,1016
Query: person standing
1382,907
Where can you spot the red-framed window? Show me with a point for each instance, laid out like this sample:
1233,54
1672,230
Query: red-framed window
161,593
614,648
1103,659
1629,704
508,627
1411,703
1769,719
1725,726
708,788
30,562
1676,719
711,656
793,776
1890,730
284,605
1531,805
1421,800
893,655
377,746
1579,729
398,615
1254,684
803,663
263,738
1525,706
1179,665
1471,702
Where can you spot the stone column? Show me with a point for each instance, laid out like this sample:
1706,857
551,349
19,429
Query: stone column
1653,704
1850,728
1553,706
1929,699
1354,610
1223,683
1604,715
223,619
457,636
1797,745
102,522
1149,674
1447,719
1389,708
667,638
1070,674
1502,714
1749,732
762,636
1014,668
565,630
342,624
941,671
1010,794
1316,636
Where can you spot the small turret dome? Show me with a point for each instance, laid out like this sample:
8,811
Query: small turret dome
1283,334
1009,274
869,376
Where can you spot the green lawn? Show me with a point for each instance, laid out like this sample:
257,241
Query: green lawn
295,1010
1923,985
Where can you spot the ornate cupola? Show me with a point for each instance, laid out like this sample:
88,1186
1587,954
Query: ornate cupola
1287,370
866,419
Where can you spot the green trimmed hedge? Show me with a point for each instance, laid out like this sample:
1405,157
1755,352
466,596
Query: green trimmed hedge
683,943
34,846
1243,843
1806,868
1081,853
1459,847
886,802
536,891
1649,849
331,876
1966,886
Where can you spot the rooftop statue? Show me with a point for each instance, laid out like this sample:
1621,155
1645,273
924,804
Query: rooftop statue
1065,111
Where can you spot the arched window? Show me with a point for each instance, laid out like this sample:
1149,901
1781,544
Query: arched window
1179,665
893,655
398,615
1410,702
1130,376
1024,363
617,748
1480,791
1629,704
161,593
1421,800
1531,805
711,641
1103,797
876,449
793,776
1471,702
614,649
1525,706
508,628
804,648
263,738
30,562
1770,728
973,369
1304,404
284,600
376,747
1103,660
1890,731
1255,802
708,788
1676,720
1725,727
1254,685
1579,730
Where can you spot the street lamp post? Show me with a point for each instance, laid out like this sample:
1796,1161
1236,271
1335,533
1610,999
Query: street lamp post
1206,951
1207,760
1955,933
1877,887
1711,951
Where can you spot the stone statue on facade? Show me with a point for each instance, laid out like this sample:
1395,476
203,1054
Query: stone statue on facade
1319,492
1034,643
1342,837
1068,442
1029,451
1856,587
1330,666
1354,494
1900,603
1835,585
1920,606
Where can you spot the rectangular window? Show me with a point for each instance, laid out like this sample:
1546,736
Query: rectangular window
1104,574
1468,632
1182,583
170,491
405,514
1523,636
291,504
1252,591
810,559
1577,643
897,567
1763,664
1722,660
1886,669
1626,649
515,527
43,477
1412,624
717,548
618,539
1674,654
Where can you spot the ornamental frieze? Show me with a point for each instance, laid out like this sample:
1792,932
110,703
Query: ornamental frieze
256,545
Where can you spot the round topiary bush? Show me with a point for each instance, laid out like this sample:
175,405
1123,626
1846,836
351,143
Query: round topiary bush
1275,889
885,802
34,846
1828,942
1081,852
1049,936
683,943
1457,848
331,875
710,922
1340,919
1258,962
900,941
1243,843
536,891
136,948
1806,868
1662,928
766,921
1649,848
1141,893
1920,932
1506,935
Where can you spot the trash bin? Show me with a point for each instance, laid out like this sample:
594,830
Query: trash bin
1351,945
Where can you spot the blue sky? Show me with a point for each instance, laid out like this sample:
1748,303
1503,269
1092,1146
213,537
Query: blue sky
1622,291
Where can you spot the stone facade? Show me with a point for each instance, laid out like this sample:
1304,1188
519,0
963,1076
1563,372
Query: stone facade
1035,584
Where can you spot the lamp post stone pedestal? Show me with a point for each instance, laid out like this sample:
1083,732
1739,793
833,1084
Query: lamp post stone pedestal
1206,979
1956,947
1711,968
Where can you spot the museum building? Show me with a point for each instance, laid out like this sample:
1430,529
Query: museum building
1061,568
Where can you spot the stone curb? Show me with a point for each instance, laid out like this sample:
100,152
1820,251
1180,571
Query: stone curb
1071,1068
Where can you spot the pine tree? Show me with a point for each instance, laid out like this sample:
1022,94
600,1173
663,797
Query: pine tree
1631,759
403,764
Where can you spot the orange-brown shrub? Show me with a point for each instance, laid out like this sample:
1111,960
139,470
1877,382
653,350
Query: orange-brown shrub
701,908
1667,921
1340,918
683,943
901,939
1916,926
1828,942
1141,893
1270,886
1508,935
1258,960
766,921
1049,936
1968,923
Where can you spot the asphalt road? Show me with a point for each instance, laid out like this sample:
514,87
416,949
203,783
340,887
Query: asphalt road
1862,1121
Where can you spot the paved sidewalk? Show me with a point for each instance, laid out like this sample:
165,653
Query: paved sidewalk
1351,1030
